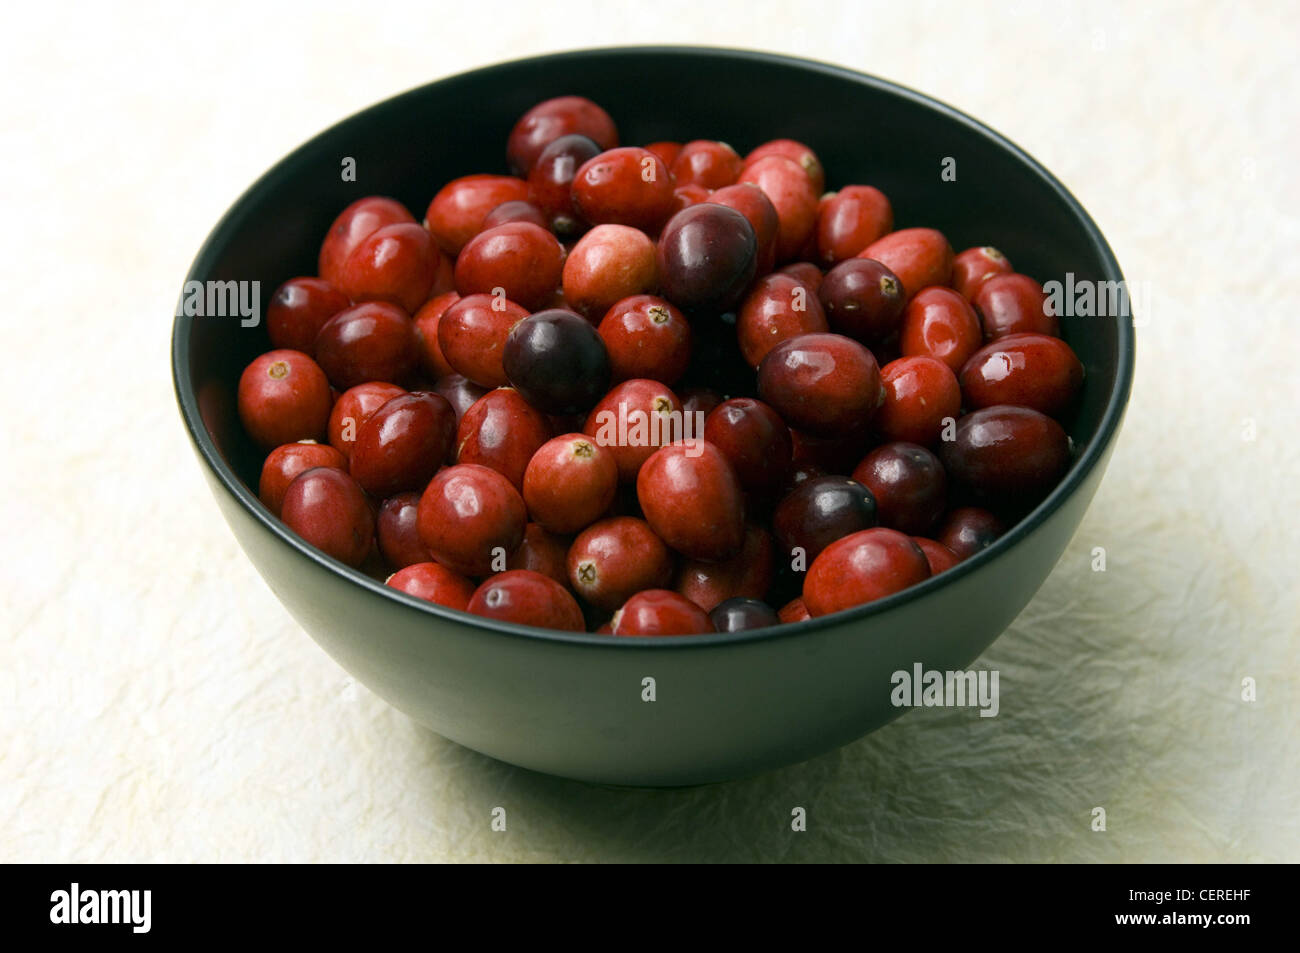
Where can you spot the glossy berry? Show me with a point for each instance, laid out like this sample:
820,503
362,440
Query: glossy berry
625,186
706,163
692,500
825,384
939,556
660,612
402,444
920,257
283,397
374,341
968,529
551,119
743,615
749,573
329,510
299,309
522,259
542,551
752,202
457,212
397,530
1007,454
648,337
921,394
778,307
426,321
525,597
285,462
849,220
1014,304
1027,370
558,361
471,517
396,263
816,513
974,266
352,409
569,483
755,441
862,299
551,181
908,483
862,568
502,430
516,210
635,419
353,225
940,323
796,152
615,558
787,186
433,582
609,263
706,257
472,335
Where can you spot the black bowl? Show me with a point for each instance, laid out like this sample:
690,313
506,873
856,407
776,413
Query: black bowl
726,705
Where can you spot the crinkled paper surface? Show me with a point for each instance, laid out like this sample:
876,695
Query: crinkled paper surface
158,703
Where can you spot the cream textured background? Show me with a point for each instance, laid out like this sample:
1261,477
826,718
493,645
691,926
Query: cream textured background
157,703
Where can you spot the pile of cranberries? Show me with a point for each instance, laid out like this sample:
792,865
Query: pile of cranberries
654,390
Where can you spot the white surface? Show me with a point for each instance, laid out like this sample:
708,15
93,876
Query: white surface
159,704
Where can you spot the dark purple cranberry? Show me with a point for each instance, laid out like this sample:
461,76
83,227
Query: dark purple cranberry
741,614
707,257
819,511
551,180
968,529
908,483
1007,454
557,360
863,300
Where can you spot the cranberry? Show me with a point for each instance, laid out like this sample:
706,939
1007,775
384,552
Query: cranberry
667,151
777,308
401,445
863,300
374,341
920,257
825,384
284,396
521,259
797,153
397,529
633,420
861,568
786,184
974,266
470,516
920,394
707,255
558,361
755,441
806,272
819,511
743,615
502,431
351,410
461,392
551,119
516,210
793,611
551,180
940,323
396,263
288,460
569,482
660,612
527,598
684,196
968,529
472,334
329,510
939,556
609,263
752,202
646,337
849,220
692,500
625,186
1014,304
908,484
1007,453
612,560
434,583
748,573
354,224
542,551
457,212
706,163
299,309
426,334
1028,370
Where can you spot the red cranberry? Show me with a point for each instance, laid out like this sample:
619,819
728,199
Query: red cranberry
940,323
752,202
355,223
569,483
755,441
470,516
793,611
401,445
299,309
625,186
521,259
749,573
863,300
806,272
908,484
1014,304
353,408
609,263
329,510
426,334
525,597
1007,453
457,212
472,334
543,552
374,341
646,337
558,361
285,462
398,531
974,266
920,394
797,153
825,384
777,308
786,184
819,511
849,220
396,263
551,119
635,419
502,431
743,615
1028,370
660,612
939,556
283,397
920,257
861,568
516,210
703,162
692,500
551,180
434,583
684,196
612,560
968,529
707,255
666,151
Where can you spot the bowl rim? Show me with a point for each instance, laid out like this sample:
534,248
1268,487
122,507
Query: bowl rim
1085,460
